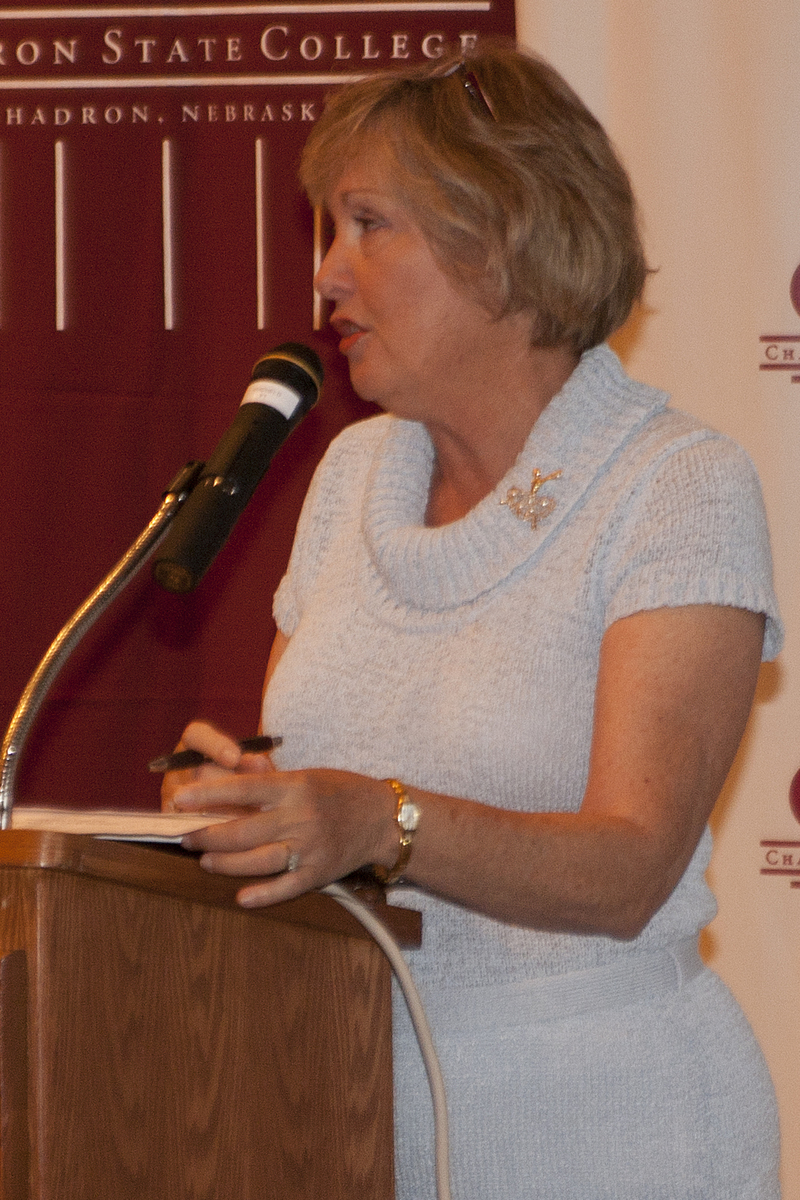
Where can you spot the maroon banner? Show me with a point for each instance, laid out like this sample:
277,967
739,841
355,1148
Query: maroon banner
153,244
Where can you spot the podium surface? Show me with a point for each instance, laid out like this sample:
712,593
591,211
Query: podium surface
158,1042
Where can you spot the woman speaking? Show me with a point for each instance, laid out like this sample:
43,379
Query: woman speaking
518,640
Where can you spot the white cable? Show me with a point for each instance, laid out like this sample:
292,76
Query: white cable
419,1020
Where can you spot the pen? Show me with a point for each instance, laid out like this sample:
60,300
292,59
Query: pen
194,758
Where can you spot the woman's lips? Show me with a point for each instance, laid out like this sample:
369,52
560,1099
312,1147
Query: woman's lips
349,333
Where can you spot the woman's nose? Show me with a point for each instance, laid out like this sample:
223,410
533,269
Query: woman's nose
334,279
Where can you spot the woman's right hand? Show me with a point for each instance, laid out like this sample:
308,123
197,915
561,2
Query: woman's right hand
224,753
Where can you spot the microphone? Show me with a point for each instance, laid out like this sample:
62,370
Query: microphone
284,386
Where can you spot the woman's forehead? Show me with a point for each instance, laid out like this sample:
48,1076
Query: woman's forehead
370,171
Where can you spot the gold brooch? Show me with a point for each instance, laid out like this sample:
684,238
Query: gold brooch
530,506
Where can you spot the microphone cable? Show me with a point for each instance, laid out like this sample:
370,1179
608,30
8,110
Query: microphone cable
419,1019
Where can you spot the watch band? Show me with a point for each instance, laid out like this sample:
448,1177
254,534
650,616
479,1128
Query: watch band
407,817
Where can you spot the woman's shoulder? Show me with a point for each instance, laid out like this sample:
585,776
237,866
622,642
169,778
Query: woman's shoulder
329,514
697,457
688,524
359,439
346,461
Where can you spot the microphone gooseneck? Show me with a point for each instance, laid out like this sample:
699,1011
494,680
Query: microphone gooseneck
284,386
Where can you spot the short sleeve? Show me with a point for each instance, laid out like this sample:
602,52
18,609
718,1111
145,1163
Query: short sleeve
287,602
693,531
332,503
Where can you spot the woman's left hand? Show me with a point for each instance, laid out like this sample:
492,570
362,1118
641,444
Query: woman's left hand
304,829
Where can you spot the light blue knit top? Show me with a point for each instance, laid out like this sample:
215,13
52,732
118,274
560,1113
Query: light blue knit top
463,659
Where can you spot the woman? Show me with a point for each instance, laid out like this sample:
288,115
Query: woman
524,614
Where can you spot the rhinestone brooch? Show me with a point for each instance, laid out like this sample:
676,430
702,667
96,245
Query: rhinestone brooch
530,506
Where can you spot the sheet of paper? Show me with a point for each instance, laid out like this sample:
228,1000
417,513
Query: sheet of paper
115,824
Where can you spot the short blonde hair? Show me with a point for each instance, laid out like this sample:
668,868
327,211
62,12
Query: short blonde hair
525,203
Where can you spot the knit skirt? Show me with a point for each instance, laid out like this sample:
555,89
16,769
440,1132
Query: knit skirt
668,1099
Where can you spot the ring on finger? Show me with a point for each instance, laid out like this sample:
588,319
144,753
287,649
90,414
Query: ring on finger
292,862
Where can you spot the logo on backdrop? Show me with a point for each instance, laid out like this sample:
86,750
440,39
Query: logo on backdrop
783,857
57,69
178,131
781,351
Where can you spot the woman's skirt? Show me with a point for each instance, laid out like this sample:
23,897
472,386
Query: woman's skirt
665,1097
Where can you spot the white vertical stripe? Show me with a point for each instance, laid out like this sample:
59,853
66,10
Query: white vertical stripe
262,313
60,239
318,257
168,234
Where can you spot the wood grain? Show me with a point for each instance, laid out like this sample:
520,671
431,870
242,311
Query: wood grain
14,1137
182,1048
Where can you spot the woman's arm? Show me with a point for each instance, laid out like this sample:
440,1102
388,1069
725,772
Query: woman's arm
673,695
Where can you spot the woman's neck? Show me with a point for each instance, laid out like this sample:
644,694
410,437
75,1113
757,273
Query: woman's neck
471,459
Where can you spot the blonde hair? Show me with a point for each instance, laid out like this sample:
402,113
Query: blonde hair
524,203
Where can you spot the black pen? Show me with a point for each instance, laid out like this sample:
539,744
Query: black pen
195,758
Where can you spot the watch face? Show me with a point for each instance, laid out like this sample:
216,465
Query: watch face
408,816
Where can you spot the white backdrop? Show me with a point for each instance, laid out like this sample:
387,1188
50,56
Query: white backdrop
702,98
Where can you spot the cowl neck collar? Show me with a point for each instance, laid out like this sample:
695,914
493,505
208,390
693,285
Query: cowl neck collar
584,425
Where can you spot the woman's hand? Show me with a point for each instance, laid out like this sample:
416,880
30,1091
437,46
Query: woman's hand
300,829
224,754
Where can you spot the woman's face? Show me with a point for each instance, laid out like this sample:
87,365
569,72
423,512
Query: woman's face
413,340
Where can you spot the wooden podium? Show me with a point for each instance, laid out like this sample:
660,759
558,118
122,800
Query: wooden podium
159,1043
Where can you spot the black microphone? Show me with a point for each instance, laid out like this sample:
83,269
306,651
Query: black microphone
284,386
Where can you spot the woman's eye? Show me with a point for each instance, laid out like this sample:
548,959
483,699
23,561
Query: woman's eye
367,221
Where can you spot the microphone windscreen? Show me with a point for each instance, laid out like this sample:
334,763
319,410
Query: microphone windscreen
284,386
